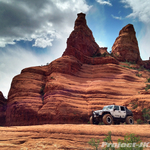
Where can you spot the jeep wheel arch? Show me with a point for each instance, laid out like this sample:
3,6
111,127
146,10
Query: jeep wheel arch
92,121
107,119
129,120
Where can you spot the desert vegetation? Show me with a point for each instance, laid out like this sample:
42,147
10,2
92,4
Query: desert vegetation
126,144
42,92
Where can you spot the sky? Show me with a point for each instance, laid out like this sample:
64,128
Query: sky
34,32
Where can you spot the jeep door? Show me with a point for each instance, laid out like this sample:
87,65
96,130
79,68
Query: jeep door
122,112
116,112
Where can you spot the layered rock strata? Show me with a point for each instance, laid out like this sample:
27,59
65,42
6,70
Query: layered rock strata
67,93
70,87
125,47
81,44
3,106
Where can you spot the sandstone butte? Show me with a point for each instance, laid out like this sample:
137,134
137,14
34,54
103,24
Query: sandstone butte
70,87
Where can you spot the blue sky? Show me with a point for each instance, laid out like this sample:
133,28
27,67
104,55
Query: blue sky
34,32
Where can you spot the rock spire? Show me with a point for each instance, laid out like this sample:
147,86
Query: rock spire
81,41
125,48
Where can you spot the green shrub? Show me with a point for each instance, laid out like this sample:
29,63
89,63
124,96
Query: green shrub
101,123
42,92
139,121
139,75
146,114
135,106
88,122
130,62
96,55
128,67
112,54
52,78
148,80
104,54
109,140
100,55
147,87
94,143
128,140
127,62
141,68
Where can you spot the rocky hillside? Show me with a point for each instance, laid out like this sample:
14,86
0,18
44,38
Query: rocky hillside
82,80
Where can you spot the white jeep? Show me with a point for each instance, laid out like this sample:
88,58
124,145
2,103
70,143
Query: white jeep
112,114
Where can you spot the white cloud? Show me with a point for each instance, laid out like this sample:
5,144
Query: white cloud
103,2
145,43
36,19
116,17
46,22
12,61
41,42
141,11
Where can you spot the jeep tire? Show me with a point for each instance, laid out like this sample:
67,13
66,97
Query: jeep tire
94,121
107,119
91,120
129,120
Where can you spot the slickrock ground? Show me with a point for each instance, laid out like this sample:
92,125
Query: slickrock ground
64,137
65,92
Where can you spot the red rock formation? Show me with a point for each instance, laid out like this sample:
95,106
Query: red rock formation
70,87
71,90
146,64
2,98
81,43
125,47
2,109
24,98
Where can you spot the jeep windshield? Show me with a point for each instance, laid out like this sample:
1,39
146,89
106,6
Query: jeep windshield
107,107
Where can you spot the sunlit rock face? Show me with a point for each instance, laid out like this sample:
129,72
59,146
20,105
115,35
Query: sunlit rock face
81,41
70,87
125,48
81,44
